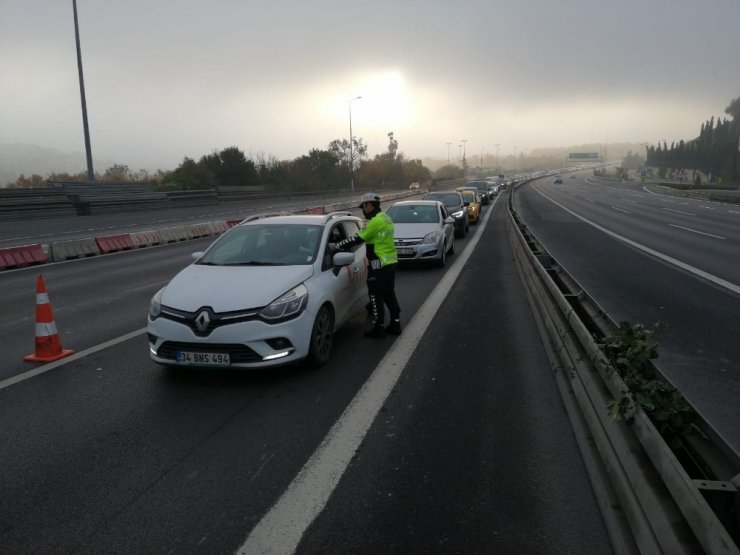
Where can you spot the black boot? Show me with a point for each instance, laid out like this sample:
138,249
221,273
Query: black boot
375,331
394,327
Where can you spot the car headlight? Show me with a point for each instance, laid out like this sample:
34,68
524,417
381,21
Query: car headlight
155,306
431,238
287,306
458,214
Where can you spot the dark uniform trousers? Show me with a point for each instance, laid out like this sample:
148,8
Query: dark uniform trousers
381,287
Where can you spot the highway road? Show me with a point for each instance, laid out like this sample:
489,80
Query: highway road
106,452
646,256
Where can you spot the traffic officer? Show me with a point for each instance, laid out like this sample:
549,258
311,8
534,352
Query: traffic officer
382,262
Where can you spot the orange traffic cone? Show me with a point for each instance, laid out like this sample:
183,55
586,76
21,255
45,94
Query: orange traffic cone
48,346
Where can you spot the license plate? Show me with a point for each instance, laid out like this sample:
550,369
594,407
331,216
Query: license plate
203,359
405,251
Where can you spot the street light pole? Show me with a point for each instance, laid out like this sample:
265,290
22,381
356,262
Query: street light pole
463,141
448,153
351,152
498,163
86,129
515,158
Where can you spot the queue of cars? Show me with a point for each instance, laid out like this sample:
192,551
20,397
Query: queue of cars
271,291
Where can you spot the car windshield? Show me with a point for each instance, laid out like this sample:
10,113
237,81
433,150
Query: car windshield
446,199
413,214
265,245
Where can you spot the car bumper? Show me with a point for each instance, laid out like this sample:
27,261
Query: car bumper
419,252
246,343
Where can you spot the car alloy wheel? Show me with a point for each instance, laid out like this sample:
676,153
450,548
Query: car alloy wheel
443,257
322,337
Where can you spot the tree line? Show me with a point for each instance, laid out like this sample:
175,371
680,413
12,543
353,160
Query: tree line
319,170
714,151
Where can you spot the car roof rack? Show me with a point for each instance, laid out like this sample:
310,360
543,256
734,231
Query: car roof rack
265,215
332,215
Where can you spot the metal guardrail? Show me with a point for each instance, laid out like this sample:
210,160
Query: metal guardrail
649,501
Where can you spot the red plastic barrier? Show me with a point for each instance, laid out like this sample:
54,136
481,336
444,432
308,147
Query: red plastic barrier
232,223
18,257
315,210
114,243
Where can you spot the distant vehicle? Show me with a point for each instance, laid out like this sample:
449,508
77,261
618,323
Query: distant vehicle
470,196
455,205
414,186
423,230
482,188
269,291
558,180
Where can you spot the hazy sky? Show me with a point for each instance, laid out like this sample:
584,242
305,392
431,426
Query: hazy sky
166,79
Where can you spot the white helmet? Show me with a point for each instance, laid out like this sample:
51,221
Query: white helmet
369,197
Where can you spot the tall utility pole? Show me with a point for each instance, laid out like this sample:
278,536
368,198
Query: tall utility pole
448,153
88,150
351,153
498,164
463,141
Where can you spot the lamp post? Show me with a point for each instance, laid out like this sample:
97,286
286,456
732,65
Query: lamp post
86,129
497,145
351,152
448,153
463,141
515,158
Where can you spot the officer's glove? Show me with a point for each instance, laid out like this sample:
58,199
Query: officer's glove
333,248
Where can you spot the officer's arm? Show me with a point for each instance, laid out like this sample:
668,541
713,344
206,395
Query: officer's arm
347,244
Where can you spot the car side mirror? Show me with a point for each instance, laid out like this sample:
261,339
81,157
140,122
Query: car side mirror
196,255
466,204
343,258
449,220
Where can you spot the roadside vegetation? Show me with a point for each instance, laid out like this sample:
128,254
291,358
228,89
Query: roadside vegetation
319,170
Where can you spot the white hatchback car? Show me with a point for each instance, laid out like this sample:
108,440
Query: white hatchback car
266,292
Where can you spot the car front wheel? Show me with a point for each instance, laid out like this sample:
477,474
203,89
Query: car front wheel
442,260
322,338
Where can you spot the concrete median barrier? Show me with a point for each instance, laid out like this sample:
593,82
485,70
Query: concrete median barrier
19,257
114,243
76,248
217,228
172,235
196,231
144,238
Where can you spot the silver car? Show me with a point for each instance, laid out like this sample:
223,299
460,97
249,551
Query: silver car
423,230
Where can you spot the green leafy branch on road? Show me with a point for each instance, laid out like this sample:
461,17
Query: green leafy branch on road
630,352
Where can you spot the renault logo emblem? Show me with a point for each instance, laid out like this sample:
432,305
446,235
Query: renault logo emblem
202,320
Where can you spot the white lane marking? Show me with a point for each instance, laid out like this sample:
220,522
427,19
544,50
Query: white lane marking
630,201
283,526
696,231
679,212
71,358
620,210
691,269
734,212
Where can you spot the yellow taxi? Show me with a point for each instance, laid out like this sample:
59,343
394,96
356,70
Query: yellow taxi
470,198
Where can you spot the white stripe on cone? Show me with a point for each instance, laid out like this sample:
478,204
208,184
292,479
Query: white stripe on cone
45,329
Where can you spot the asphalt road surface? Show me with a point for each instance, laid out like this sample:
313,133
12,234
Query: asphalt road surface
105,452
653,258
